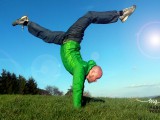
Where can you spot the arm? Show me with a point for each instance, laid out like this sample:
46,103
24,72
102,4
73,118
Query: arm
78,86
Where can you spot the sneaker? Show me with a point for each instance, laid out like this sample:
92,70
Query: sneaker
127,12
21,21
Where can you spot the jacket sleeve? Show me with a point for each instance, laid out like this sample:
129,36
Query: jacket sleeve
78,86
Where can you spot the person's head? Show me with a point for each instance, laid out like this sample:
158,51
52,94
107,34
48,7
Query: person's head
94,74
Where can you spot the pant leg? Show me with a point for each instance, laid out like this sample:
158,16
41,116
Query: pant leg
46,35
76,31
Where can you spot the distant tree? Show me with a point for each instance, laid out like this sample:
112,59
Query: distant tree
49,89
53,90
31,87
57,91
86,94
9,84
21,84
3,88
43,92
157,97
15,87
69,92
1,85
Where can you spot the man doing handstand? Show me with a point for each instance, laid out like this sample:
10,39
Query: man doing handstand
70,45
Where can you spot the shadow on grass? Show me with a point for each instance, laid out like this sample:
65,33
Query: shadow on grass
89,99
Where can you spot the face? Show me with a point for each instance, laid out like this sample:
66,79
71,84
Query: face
92,78
94,75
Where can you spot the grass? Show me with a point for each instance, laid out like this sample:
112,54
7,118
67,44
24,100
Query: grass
19,107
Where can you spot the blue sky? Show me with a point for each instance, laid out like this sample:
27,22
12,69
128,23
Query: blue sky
129,53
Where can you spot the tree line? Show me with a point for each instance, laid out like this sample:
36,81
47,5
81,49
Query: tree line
12,84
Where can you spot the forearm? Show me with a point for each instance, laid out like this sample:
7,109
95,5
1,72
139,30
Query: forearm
78,86
77,97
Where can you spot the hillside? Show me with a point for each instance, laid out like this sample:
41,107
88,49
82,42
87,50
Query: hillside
19,107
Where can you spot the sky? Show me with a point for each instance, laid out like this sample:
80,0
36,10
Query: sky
129,53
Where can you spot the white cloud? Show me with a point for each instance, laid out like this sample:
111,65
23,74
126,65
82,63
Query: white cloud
144,85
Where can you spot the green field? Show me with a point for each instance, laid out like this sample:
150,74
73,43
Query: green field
19,107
